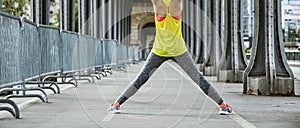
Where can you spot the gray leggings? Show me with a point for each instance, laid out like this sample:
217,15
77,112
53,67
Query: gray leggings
184,61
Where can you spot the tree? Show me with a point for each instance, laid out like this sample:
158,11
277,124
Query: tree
15,7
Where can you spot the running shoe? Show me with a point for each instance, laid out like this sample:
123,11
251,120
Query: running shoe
114,108
225,109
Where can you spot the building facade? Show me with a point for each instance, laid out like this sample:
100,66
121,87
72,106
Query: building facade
291,20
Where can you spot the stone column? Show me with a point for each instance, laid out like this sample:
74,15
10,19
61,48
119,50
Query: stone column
233,62
268,72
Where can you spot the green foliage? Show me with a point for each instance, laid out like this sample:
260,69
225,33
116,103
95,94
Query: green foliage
15,7
57,18
76,16
56,22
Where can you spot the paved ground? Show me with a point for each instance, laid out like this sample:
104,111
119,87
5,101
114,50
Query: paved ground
169,99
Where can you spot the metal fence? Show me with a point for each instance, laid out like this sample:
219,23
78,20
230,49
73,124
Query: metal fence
30,52
109,52
50,41
87,52
69,52
9,61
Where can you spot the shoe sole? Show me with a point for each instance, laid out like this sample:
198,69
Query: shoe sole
115,112
224,113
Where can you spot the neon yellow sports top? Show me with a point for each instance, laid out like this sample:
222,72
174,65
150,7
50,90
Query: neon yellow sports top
168,40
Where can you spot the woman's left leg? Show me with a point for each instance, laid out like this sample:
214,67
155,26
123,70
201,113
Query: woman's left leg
186,62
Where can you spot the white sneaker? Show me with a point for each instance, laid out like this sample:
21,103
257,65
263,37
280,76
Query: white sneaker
114,108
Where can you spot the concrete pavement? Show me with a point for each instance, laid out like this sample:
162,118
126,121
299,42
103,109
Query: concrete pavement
168,99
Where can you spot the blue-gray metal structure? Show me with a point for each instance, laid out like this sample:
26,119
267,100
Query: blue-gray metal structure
34,52
199,43
9,61
214,47
67,11
233,61
40,11
268,72
69,57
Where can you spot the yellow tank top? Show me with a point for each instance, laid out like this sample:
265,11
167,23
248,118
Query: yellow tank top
168,40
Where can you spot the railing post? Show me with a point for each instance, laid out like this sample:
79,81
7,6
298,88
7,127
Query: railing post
233,61
268,72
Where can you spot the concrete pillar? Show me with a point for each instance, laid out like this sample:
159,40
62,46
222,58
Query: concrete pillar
213,39
233,61
67,19
268,72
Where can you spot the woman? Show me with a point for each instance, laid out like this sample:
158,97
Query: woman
169,44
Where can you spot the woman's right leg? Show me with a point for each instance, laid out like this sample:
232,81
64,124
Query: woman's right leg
152,63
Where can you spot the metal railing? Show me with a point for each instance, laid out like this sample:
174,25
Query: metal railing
293,55
38,54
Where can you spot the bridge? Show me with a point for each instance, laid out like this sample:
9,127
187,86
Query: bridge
89,62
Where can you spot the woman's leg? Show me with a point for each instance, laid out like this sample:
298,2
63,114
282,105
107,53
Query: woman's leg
186,62
152,63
